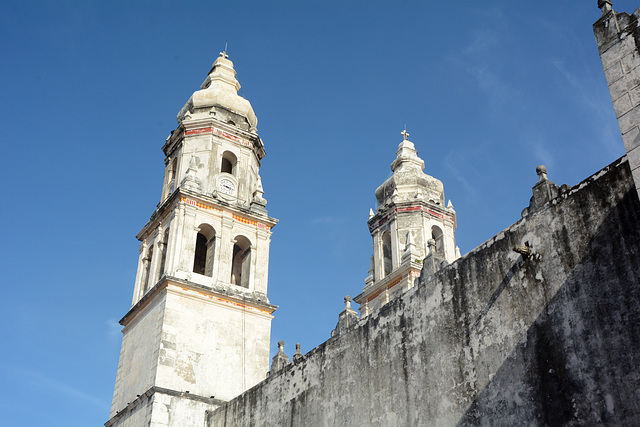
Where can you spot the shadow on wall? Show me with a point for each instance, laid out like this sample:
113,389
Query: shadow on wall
578,362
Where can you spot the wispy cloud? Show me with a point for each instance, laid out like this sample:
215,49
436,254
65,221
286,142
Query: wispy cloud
38,381
480,62
540,151
472,192
595,101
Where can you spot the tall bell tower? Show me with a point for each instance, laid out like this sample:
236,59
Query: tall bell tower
198,330
410,228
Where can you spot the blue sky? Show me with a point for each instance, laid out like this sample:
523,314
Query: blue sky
90,90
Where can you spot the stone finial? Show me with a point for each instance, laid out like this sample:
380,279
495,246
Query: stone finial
191,181
347,302
419,194
371,214
280,360
431,244
369,280
450,205
542,172
258,202
543,191
347,319
605,6
298,355
395,195
409,241
432,262
410,252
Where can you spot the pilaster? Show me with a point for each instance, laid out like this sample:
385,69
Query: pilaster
395,244
378,255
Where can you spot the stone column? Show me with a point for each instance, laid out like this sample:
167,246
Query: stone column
378,256
144,278
174,225
226,250
261,262
188,239
139,273
154,274
395,246
251,253
217,245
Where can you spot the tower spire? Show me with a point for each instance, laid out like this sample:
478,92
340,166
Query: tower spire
411,211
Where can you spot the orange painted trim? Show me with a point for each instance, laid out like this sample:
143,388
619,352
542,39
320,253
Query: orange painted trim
250,222
220,132
389,286
198,204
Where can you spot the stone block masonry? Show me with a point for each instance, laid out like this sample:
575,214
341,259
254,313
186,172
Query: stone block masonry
618,38
499,337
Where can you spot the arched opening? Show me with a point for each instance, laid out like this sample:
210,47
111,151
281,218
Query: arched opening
229,161
437,236
147,270
241,262
386,252
204,251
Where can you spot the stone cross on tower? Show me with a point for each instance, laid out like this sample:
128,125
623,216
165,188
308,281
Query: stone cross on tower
405,134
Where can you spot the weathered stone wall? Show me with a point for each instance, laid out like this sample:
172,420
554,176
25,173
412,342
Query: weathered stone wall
138,356
493,339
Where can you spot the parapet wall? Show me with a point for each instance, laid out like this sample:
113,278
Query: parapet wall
496,338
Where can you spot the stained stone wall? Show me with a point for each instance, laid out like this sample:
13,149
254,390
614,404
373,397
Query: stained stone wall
496,338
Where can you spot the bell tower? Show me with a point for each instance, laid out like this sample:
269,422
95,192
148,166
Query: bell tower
411,226
198,330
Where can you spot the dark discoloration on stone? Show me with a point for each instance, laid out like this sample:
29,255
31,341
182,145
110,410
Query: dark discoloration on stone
493,339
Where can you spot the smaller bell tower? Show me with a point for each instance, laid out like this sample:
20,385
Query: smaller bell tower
410,224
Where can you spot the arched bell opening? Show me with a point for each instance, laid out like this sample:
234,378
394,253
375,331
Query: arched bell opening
241,262
438,237
204,251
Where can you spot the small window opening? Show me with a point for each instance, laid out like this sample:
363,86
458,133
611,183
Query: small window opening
241,262
229,162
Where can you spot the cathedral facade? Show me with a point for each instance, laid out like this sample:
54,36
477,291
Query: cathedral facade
537,326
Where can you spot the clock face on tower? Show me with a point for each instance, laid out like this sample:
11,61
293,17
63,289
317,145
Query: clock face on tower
227,187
